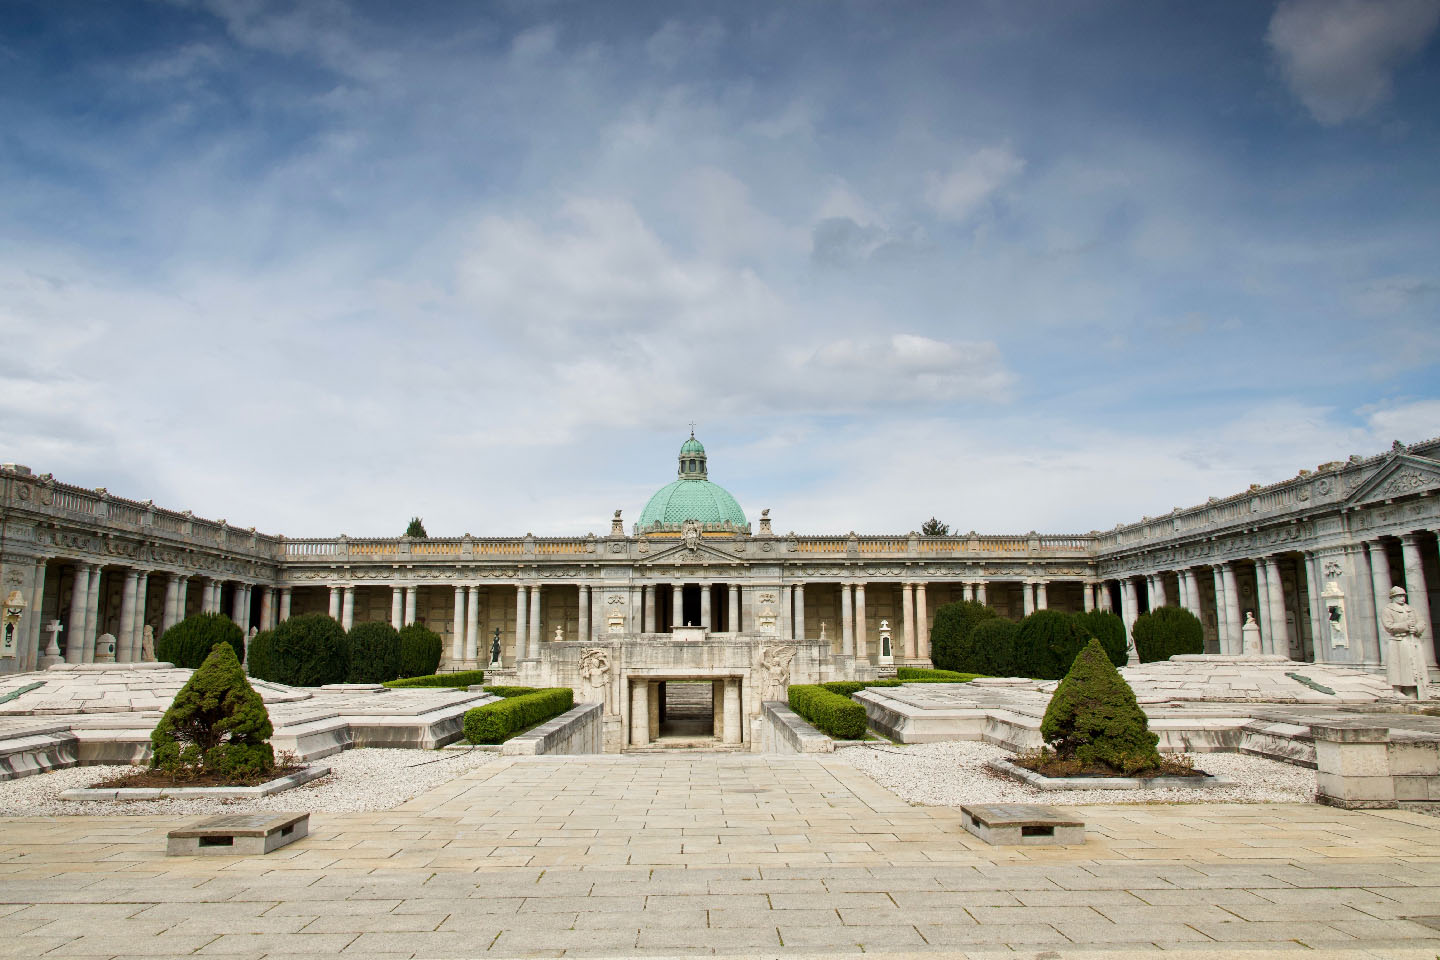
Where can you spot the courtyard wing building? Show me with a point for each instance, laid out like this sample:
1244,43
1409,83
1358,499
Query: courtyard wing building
695,592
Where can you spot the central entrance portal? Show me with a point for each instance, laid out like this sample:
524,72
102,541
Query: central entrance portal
687,710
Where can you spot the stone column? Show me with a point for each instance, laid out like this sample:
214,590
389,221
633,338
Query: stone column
1279,627
967,590
677,605
335,603
1042,599
648,599
980,592
1380,584
347,608
1089,596
732,710
732,607
535,636
1262,603
397,606
92,614
706,589
458,637
922,624
907,606
473,640
125,643
1158,599
584,599
860,646
412,601
847,622
137,628
167,616
799,611
787,607
522,622
639,712
1416,593
1232,608
284,604
656,697
267,608
717,708
31,654
1029,589
1222,631
237,606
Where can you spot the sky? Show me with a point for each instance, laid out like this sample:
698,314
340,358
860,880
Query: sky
319,268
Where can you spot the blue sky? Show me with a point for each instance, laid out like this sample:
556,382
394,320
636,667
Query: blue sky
318,268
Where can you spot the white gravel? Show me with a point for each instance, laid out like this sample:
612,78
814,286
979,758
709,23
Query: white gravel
360,780
953,772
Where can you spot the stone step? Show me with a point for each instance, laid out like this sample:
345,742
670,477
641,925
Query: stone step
688,745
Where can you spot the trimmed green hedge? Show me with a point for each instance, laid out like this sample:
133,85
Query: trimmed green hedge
508,692
951,638
306,651
458,680
419,651
257,658
1167,631
993,648
374,653
188,643
1047,643
921,673
831,713
1109,629
498,722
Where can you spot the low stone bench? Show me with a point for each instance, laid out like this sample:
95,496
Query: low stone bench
238,835
1022,824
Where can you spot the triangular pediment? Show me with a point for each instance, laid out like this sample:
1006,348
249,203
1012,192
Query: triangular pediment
1403,475
680,553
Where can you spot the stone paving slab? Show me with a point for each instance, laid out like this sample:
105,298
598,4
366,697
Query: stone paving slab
590,857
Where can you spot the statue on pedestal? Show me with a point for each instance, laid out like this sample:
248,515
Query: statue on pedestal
495,649
147,644
1250,636
1405,662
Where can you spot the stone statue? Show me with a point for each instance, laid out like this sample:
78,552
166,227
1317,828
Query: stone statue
559,635
595,670
147,644
495,649
775,670
1250,636
1405,665
691,532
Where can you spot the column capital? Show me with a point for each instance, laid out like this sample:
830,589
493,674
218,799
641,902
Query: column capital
1412,537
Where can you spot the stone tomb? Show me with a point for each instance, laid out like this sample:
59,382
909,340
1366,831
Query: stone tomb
238,835
1022,824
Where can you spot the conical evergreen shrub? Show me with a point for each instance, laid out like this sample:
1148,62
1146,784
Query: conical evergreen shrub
1093,717
217,724
1167,631
950,638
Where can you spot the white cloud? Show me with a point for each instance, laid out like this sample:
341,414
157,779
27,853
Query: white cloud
956,195
1340,56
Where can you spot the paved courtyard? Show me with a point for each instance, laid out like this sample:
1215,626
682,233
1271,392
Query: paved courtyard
738,854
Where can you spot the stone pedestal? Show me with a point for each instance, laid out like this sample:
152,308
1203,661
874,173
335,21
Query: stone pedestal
1352,767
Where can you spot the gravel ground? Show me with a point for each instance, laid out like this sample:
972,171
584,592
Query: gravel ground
953,772
359,780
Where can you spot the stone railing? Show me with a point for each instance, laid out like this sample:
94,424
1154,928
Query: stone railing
99,509
1325,488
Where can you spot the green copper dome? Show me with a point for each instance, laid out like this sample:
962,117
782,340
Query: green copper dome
692,497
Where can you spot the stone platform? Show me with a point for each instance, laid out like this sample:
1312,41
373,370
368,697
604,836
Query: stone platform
739,854
104,713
